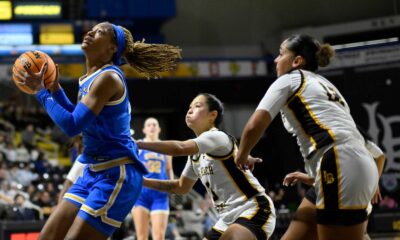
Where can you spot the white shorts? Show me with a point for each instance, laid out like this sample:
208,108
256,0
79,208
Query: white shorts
257,214
347,178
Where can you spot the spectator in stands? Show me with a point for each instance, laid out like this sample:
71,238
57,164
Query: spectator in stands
22,153
42,165
28,137
172,231
31,190
10,152
3,142
59,137
46,203
22,213
192,220
7,192
4,171
25,175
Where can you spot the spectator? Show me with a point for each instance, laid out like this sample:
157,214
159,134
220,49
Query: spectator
21,213
10,152
7,193
25,175
4,172
22,153
46,203
192,219
28,137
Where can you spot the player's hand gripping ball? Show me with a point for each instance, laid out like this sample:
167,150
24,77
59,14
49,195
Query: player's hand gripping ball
31,62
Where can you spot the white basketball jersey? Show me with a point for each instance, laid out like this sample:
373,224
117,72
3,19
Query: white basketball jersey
228,186
319,116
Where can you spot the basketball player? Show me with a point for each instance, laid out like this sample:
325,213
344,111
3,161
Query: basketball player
100,200
332,147
304,225
245,211
153,206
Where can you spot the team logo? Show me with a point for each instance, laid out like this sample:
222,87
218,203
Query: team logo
328,177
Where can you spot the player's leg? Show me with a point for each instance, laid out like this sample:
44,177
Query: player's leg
64,215
257,221
141,218
159,214
304,224
159,222
141,214
59,221
332,232
110,199
237,232
82,230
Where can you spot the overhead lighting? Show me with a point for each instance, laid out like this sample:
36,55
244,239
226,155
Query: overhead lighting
365,43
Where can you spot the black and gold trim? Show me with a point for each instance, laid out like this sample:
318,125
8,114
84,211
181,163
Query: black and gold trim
213,234
330,182
318,134
300,88
228,155
331,212
239,178
256,223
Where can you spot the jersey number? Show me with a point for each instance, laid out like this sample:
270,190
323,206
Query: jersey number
332,94
154,166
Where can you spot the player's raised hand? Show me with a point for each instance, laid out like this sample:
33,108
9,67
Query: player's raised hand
251,162
54,86
294,177
32,80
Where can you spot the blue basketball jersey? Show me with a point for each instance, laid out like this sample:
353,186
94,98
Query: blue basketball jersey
152,200
108,137
155,164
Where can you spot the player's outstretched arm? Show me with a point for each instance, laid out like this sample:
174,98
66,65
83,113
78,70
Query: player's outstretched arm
252,132
173,148
178,186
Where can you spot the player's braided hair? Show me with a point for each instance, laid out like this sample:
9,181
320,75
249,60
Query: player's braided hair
150,59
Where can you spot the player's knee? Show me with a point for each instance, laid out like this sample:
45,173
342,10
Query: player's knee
46,236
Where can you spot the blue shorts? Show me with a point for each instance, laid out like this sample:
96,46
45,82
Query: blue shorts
106,197
154,201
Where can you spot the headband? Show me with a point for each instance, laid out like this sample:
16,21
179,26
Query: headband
121,43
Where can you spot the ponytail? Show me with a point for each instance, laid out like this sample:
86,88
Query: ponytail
150,59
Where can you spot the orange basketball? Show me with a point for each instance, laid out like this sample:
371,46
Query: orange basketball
34,60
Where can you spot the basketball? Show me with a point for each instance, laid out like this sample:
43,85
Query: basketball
34,60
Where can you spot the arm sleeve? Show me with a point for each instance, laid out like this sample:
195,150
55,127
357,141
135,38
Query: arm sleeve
373,149
216,143
277,95
63,100
72,123
76,171
188,171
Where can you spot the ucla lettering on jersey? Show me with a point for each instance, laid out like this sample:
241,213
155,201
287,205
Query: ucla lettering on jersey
155,163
